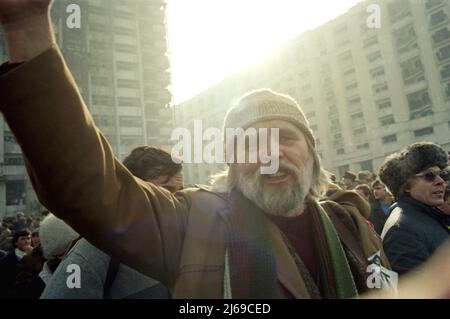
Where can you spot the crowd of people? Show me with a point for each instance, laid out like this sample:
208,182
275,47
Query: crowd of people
135,231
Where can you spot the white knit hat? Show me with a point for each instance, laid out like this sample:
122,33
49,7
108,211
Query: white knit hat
265,104
55,236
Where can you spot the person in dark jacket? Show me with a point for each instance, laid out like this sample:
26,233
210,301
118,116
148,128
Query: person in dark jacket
417,178
8,265
380,206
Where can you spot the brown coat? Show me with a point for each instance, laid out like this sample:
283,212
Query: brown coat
179,240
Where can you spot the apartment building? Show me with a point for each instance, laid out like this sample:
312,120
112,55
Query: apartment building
119,59
367,89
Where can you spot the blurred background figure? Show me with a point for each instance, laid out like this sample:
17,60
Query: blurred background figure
104,277
349,180
21,243
35,241
365,191
380,207
365,177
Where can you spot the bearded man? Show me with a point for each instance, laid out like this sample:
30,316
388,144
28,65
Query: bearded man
263,236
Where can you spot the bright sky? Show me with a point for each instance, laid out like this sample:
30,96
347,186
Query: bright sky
211,39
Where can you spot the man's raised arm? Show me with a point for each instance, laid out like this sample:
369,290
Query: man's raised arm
70,163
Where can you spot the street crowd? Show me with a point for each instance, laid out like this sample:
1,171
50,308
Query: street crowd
136,231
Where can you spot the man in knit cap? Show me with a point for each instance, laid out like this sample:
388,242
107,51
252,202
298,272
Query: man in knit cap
262,236
417,177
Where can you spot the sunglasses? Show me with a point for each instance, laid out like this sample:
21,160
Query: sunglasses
430,175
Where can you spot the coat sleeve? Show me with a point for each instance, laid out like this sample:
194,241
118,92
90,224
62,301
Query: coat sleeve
404,249
77,177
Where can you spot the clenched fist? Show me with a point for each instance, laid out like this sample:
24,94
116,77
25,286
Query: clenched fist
27,27
13,11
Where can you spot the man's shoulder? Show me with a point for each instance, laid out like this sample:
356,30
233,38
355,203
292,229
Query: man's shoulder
202,192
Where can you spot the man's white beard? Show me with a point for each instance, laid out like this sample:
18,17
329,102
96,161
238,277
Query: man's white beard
285,200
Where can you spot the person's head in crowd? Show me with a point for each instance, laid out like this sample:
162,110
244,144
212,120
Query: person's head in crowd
445,207
22,240
332,178
35,241
55,237
364,190
365,177
380,192
348,179
299,176
20,216
155,165
33,262
418,171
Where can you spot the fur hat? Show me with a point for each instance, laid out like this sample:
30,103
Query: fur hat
411,160
55,236
265,104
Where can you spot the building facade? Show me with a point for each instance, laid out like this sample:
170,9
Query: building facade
120,60
370,82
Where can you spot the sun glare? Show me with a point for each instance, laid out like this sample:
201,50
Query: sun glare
211,39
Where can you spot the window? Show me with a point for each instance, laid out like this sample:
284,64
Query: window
359,131
412,70
353,101
358,115
102,100
419,104
130,84
443,53
405,38
337,136
377,73
340,151
130,121
438,17
366,165
433,3
441,35
387,120
374,57
351,86
424,131
385,104
15,193
127,101
445,72
362,146
380,88
100,81
398,9
370,42
389,139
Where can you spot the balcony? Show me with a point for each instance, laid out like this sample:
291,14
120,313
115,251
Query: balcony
437,19
431,4
441,36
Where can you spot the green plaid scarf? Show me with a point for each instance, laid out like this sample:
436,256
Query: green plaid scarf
251,271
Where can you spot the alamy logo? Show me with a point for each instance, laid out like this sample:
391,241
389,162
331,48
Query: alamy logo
74,279
380,277
241,146
374,19
73,21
